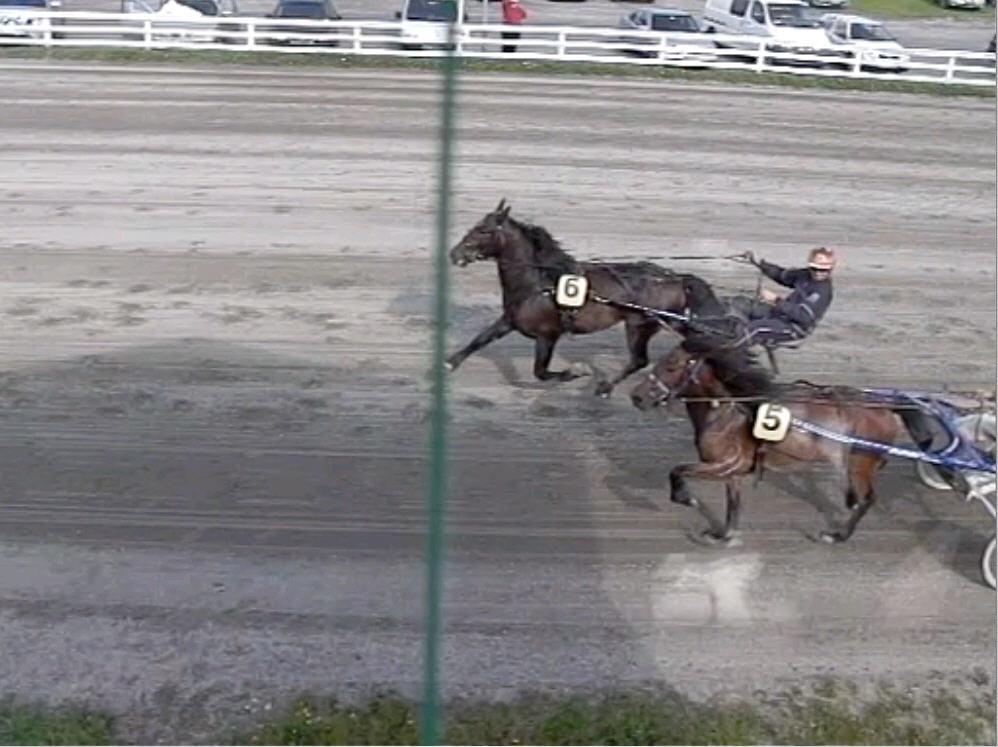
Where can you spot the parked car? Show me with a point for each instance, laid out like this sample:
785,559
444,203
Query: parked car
313,10
23,18
178,11
425,22
837,4
876,47
674,25
972,4
789,25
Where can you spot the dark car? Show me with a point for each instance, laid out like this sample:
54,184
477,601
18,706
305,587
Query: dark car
306,10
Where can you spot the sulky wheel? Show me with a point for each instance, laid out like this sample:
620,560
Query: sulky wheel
980,428
989,558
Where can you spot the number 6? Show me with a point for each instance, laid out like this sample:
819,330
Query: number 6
572,291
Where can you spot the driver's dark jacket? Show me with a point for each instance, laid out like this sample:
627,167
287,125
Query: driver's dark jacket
808,302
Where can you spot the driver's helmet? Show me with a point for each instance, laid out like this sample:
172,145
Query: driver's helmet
821,258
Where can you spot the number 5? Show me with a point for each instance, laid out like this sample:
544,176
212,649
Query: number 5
772,422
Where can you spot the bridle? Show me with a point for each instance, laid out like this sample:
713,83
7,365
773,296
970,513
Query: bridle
662,392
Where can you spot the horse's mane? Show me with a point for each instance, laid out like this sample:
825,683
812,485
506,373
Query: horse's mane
551,259
735,366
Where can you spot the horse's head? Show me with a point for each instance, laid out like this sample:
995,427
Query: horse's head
702,365
678,374
485,239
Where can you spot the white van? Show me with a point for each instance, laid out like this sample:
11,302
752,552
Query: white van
425,22
790,24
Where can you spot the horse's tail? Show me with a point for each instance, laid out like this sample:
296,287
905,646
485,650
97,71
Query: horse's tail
916,422
700,297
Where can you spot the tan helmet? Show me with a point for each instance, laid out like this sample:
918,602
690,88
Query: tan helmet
821,258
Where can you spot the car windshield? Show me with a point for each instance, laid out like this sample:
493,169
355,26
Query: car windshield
431,10
871,31
301,10
673,22
207,7
795,16
22,3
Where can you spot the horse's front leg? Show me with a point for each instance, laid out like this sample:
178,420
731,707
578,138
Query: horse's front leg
543,351
721,531
638,335
499,328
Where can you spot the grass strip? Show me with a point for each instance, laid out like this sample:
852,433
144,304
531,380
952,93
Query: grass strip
829,714
36,724
585,69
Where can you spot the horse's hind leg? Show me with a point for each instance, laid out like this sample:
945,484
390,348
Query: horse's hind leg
859,494
543,352
639,332
499,328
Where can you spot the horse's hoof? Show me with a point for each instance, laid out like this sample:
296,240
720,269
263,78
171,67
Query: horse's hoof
604,390
831,538
449,367
731,540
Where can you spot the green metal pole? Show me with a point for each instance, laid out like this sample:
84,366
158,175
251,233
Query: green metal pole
430,721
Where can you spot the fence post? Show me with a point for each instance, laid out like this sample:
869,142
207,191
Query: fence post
561,43
147,33
251,35
661,48
47,33
950,64
760,60
857,62
356,38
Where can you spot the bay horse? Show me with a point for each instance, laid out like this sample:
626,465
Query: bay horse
530,261
722,387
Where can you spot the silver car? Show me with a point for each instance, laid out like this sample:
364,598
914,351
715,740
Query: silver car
23,18
673,24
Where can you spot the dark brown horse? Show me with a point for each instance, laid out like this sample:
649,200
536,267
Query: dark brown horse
530,262
722,388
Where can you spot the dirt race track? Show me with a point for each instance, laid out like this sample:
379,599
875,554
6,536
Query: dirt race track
216,289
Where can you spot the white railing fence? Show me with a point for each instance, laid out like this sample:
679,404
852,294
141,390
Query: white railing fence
486,41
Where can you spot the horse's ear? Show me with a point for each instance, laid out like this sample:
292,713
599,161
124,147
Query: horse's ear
504,214
501,205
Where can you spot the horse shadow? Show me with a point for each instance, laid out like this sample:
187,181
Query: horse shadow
581,358
810,489
942,537
637,477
